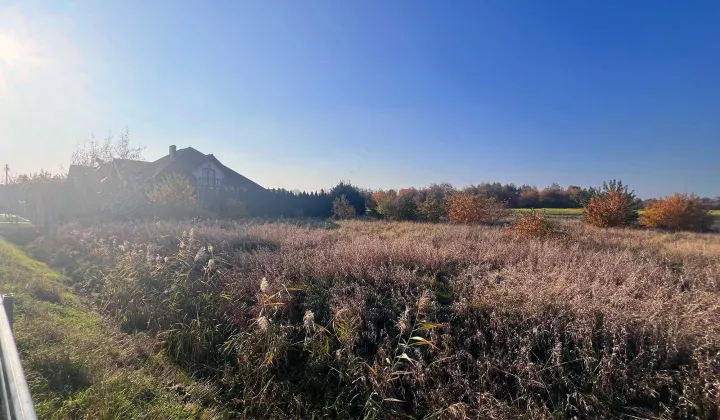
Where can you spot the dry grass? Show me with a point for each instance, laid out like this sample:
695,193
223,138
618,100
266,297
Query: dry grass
384,320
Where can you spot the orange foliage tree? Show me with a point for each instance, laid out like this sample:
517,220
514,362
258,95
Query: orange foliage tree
469,208
611,206
677,212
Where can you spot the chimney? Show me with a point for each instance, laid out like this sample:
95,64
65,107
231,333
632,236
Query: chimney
173,149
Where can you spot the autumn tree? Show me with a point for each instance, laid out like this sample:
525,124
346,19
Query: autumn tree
677,212
613,205
470,208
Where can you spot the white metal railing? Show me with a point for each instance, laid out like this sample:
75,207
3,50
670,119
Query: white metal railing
16,400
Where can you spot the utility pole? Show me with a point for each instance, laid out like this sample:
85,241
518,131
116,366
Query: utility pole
7,169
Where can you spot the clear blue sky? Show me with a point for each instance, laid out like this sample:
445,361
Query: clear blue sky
300,94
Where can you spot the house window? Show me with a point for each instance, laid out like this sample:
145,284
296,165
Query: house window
208,178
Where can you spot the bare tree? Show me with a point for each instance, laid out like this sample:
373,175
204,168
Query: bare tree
94,152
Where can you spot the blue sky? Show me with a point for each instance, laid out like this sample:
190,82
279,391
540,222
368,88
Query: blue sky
386,94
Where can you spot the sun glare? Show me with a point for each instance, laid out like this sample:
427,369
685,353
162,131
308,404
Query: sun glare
12,52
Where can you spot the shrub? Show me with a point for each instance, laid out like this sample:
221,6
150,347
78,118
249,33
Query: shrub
174,197
533,223
677,212
611,206
470,208
342,209
173,189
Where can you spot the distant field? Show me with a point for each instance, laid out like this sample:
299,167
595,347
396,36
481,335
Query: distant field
580,211
564,212
557,213
577,214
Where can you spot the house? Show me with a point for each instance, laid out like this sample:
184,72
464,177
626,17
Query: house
114,180
209,176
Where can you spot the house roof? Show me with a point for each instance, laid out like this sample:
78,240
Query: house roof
136,172
86,175
188,159
132,170
77,171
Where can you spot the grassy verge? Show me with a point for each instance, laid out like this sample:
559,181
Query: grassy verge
80,367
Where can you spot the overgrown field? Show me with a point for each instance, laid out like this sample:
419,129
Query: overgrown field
390,320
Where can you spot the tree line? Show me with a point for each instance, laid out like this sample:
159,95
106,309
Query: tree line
429,203
42,190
